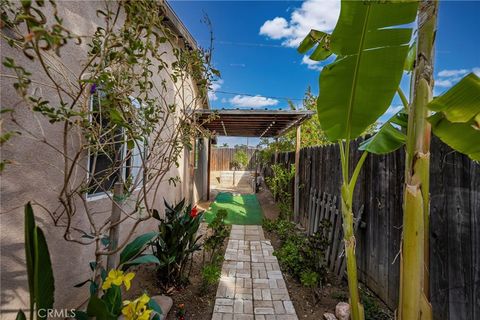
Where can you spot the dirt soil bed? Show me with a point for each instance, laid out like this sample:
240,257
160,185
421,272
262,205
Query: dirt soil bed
198,306
302,297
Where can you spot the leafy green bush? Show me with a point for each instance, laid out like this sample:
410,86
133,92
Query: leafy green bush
290,256
219,232
210,276
268,224
300,255
285,229
177,241
309,279
240,160
279,184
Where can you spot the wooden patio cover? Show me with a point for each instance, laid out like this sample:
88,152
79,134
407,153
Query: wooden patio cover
251,122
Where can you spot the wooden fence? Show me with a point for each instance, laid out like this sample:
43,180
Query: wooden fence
323,206
454,223
221,159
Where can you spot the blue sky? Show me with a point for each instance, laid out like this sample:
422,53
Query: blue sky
255,48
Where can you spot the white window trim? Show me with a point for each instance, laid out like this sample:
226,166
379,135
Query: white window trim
103,194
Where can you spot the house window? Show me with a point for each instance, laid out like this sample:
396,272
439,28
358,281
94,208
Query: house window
114,161
133,158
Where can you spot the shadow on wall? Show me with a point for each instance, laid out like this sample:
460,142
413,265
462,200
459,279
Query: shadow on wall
70,260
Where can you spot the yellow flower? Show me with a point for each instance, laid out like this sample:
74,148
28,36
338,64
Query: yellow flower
137,309
117,277
127,278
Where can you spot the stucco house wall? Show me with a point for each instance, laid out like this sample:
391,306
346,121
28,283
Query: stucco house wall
35,176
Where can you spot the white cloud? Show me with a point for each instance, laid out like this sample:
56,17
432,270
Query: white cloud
313,14
452,73
448,78
239,65
311,64
214,87
276,29
392,110
253,101
443,83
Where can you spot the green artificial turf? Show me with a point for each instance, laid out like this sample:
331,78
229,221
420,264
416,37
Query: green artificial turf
242,209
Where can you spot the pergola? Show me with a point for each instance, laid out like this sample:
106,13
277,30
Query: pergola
256,123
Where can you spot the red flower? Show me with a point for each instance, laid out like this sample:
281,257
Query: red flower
194,212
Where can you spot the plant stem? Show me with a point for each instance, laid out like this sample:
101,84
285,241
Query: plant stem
413,301
348,230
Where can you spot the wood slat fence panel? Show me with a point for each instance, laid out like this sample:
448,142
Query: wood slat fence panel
454,223
221,159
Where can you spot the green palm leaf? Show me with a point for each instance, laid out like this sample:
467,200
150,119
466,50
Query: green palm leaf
371,47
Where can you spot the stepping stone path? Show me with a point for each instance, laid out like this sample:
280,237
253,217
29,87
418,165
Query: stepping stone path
251,286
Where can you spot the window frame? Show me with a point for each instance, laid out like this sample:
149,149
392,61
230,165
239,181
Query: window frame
105,194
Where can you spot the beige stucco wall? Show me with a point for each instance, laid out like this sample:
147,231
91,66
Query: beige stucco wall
35,176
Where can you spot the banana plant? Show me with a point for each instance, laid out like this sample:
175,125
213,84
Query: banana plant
456,122
370,43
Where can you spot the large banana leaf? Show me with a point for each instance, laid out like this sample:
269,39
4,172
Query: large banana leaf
458,115
462,137
462,102
319,38
371,45
389,138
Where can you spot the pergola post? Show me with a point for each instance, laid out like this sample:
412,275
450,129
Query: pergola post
275,160
209,167
296,188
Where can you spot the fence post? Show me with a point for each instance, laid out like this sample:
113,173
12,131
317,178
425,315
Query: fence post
296,191
114,218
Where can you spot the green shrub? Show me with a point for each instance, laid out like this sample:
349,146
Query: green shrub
285,229
290,256
279,184
300,255
269,225
219,232
309,279
240,160
210,276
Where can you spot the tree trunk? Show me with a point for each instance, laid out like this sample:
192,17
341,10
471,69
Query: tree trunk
413,303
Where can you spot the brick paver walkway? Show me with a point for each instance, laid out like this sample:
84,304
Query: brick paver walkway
252,285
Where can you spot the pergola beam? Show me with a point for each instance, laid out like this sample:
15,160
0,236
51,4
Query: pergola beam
252,123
